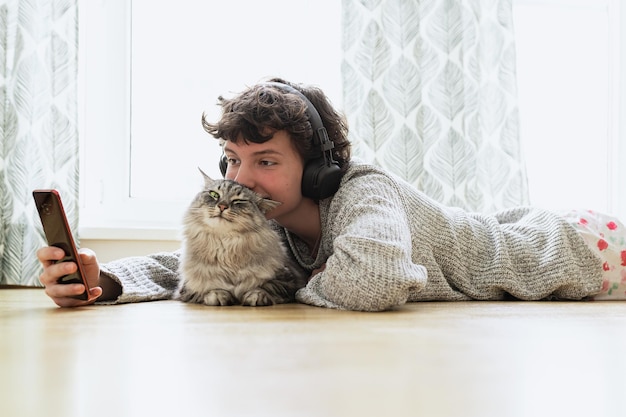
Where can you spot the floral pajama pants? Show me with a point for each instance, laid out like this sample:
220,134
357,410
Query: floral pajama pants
606,237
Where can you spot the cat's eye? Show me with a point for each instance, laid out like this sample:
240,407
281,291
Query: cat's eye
215,195
238,202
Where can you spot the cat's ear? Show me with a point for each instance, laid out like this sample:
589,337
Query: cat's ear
266,205
207,179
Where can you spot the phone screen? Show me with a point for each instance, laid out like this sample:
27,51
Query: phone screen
57,231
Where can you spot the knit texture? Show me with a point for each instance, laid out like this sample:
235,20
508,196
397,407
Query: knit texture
385,243
391,243
144,278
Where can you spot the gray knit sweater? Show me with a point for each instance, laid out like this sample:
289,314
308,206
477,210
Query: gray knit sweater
385,243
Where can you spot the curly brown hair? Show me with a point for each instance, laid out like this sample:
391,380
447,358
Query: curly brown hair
259,111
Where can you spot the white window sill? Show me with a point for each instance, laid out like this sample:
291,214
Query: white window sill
129,233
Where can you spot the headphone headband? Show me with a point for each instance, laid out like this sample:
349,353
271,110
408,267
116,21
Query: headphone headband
320,135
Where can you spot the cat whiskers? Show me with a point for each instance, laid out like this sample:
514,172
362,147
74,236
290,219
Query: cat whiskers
207,214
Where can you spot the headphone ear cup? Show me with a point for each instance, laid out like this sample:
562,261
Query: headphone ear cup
223,165
320,180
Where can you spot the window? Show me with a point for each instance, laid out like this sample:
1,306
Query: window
149,70
143,140
567,63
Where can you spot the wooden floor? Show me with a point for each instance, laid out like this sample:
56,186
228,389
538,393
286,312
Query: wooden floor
426,359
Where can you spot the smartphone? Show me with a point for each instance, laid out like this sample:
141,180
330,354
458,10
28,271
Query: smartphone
58,233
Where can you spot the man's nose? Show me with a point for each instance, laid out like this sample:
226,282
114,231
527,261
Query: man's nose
245,176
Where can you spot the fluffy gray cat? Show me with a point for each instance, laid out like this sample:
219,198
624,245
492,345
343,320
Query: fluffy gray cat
231,255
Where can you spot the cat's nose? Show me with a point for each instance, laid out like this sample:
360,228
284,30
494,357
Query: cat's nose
222,207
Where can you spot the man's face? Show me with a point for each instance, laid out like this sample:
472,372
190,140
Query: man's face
272,169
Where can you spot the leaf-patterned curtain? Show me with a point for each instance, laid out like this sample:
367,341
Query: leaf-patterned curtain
430,94
38,125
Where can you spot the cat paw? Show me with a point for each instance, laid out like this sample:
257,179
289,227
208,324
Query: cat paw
185,295
257,298
219,298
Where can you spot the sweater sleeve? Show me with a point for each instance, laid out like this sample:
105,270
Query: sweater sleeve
144,278
370,266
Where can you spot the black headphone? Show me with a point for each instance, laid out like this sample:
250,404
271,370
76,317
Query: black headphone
322,174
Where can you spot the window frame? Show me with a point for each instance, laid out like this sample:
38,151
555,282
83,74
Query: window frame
104,125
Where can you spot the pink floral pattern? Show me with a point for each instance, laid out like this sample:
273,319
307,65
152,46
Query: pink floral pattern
606,237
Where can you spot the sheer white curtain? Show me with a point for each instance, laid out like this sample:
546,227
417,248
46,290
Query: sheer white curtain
38,124
430,94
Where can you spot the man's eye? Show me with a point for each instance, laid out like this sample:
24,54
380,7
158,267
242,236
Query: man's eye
267,163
